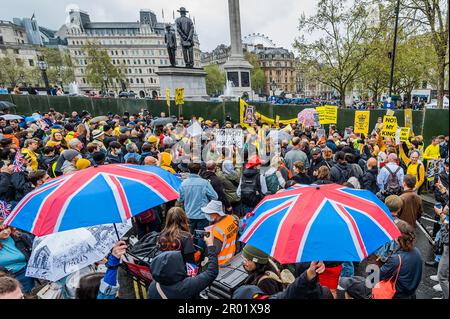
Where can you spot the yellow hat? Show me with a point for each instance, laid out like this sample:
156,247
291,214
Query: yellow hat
82,163
200,119
153,139
208,122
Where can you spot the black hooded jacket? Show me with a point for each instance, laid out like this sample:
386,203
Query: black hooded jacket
217,185
369,180
301,288
169,270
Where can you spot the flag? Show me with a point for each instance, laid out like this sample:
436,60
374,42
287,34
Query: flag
19,162
168,97
5,209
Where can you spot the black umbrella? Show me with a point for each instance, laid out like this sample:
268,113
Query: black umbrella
163,121
5,105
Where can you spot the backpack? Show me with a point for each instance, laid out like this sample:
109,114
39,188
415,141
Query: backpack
393,186
251,190
344,175
273,185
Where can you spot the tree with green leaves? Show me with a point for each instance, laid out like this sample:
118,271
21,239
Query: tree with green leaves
99,65
431,16
258,77
12,70
346,35
215,79
60,65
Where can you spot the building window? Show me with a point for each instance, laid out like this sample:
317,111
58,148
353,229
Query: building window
142,80
31,62
131,81
140,71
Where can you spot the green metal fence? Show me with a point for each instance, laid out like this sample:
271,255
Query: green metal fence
428,123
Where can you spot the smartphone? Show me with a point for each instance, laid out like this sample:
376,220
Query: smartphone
201,233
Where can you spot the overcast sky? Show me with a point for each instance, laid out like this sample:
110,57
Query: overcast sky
278,19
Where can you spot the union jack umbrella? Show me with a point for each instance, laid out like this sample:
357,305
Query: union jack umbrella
93,196
320,223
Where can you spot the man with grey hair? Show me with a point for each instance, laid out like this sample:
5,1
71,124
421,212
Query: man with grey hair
150,161
390,178
76,144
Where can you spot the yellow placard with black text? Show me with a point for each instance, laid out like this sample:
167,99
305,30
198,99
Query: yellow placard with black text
362,120
389,127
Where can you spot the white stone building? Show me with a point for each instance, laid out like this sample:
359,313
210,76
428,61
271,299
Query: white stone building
137,48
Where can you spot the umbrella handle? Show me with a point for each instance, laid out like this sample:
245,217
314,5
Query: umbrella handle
117,233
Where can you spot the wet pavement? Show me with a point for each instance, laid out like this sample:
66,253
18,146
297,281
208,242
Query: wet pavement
425,290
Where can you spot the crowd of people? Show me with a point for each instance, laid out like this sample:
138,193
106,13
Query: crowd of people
220,186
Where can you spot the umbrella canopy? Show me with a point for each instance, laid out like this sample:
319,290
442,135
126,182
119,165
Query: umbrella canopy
10,117
308,117
58,255
163,121
5,105
99,119
320,223
93,196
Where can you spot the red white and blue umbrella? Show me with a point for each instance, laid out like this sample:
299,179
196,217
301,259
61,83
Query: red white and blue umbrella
327,223
94,196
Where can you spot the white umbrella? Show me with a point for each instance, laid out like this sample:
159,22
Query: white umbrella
58,255
10,117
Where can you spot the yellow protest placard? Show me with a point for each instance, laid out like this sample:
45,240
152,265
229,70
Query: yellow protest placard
179,96
331,113
389,127
321,110
362,119
168,97
390,113
408,118
327,114
404,134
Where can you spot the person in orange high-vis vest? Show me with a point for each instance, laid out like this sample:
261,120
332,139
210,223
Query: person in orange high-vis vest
224,228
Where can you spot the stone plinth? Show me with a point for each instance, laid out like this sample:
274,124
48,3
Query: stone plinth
192,80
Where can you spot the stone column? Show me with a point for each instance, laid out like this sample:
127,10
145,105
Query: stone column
235,28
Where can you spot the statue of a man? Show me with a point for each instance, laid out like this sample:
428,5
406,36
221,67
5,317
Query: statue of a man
171,41
185,28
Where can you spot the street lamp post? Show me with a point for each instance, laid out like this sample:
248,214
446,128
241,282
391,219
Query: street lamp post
391,82
43,66
105,80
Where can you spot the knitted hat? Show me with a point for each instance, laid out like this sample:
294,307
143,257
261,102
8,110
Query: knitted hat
82,163
394,203
97,133
254,254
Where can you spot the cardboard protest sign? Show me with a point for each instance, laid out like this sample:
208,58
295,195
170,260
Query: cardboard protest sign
229,137
404,134
390,113
389,127
179,96
320,133
362,120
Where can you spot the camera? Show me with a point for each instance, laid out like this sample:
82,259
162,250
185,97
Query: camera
199,234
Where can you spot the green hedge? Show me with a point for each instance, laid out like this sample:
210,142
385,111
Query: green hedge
428,123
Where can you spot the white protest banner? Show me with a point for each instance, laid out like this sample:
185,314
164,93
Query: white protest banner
229,137
195,129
